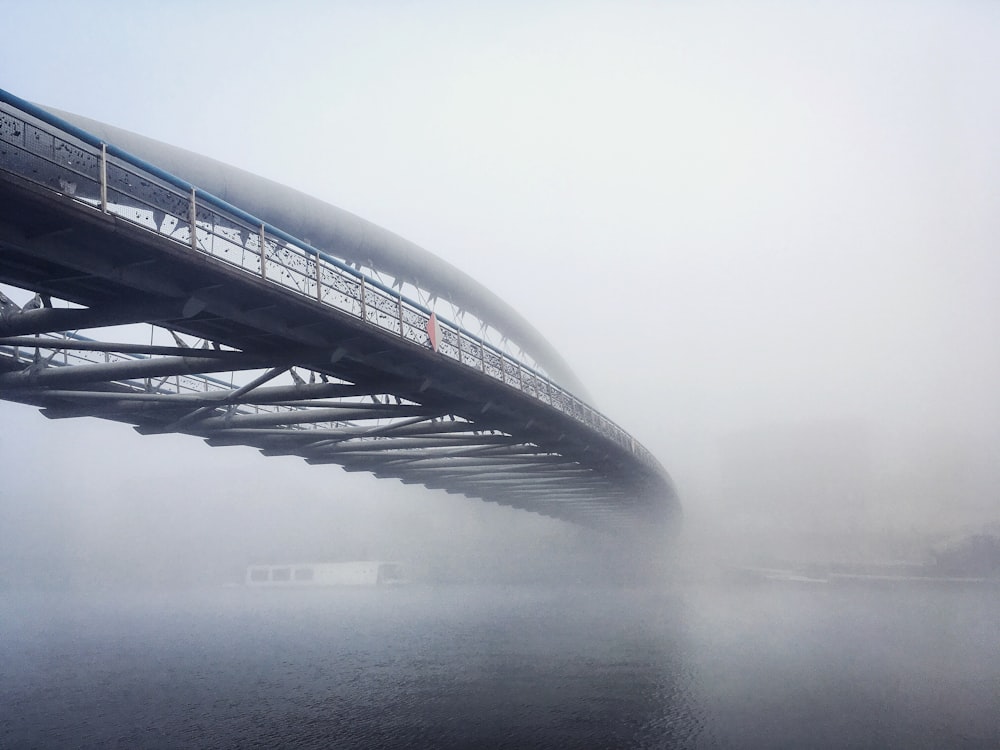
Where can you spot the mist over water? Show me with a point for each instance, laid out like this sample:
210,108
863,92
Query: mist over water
764,238
125,621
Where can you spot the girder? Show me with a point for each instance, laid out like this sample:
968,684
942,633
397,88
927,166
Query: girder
62,377
45,319
28,342
253,337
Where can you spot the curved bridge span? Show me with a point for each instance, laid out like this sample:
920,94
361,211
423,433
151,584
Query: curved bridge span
219,304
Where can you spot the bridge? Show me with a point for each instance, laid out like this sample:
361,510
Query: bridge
225,306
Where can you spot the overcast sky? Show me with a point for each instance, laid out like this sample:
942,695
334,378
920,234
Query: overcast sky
725,216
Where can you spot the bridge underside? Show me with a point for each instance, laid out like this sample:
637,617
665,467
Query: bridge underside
249,364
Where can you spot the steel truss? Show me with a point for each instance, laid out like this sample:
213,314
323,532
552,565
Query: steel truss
238,359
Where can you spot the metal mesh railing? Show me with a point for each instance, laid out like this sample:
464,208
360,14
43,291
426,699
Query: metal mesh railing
35,147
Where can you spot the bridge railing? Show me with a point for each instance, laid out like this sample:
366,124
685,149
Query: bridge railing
50,152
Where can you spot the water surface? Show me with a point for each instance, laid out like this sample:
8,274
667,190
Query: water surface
511,667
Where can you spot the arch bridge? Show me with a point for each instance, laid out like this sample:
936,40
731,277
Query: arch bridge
152,286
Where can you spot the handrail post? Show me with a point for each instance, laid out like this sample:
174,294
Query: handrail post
104,177
194,221
364,311
319,280
263,253
400,300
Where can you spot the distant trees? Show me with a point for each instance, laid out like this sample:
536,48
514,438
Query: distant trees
974,556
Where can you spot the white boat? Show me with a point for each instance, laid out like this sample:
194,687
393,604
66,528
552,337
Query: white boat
354,573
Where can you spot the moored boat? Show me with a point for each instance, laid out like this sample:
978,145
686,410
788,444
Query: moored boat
353,573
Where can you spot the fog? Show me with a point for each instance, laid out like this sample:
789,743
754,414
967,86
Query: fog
764,238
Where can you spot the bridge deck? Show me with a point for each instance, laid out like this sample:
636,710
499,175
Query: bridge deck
293,374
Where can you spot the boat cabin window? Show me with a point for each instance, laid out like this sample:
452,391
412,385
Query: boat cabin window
258,574
303,574
281,574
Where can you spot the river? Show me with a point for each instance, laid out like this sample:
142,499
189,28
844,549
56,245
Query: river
707,666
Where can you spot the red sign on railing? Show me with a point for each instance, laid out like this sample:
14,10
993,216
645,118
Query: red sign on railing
434,331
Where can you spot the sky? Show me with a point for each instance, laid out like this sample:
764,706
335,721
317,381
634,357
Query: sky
743,225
